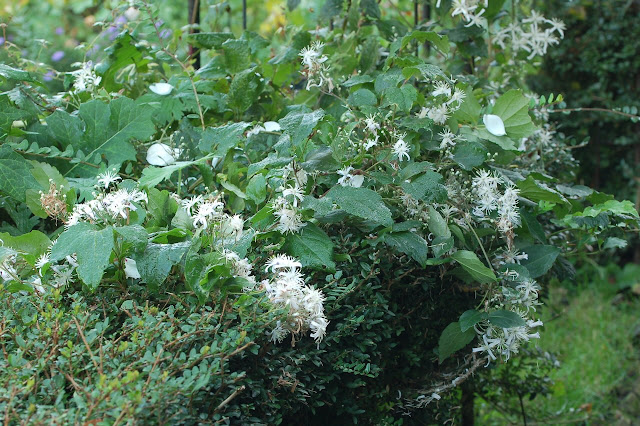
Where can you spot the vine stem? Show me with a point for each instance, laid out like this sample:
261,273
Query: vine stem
175,58
612,111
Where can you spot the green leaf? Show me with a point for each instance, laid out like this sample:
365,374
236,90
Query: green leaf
361,202
437,225
16,178
470,318
65,128
313,247
474,266
362,97
427,187
34,243
244,90
614,243
152,175
513,108
157,260
453,339
409,243
11,73
136,235
209,40
109,128
541,259
537,191
505,319
236,55
469,154
402,97
299,125
92,246
222,138
257,189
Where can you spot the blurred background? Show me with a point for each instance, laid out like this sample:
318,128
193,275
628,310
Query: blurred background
592,324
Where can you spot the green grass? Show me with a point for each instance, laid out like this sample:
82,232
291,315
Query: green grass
590,330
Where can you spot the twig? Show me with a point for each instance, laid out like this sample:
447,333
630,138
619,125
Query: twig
612,111
87,345
229,398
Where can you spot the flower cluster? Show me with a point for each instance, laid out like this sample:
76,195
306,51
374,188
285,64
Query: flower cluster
518,295
446,99
107,207
470,10
85,78
287,290
286,206
241,267
315,67
532,35
46,273
489,199
208,214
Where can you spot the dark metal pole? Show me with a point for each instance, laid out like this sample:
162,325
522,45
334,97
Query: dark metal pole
194,20
244,14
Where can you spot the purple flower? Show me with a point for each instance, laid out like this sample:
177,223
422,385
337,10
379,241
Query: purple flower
59,30
159,23
1,41
166,33
48,76
57,56
120,20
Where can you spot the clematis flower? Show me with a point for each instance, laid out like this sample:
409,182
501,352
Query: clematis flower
494,124
162,89
160,154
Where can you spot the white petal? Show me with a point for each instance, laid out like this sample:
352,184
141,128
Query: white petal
131,268
357,181
132,14
160,154
272,126
162,89
494,124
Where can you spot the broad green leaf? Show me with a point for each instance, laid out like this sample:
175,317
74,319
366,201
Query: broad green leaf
236,55
34,243
614,243
513,108
474,266
402,97
470,318
222,138
361,202
299,125
426,187
109,128
16,178
409,243
312,247
92,246
244,90
437,225
65,128
152,175
157,260
257,188
505,319
135,235
541,259
453,339
469,154
11,73
362,97
538,191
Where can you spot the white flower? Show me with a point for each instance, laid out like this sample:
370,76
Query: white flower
282,261
371,142
441,88
494,124
401,149
439,115
162,89
131,269
85,78
107,178
289,219
348,179
160,154
233,227
371,124
42,261
256,130
272,126
132,13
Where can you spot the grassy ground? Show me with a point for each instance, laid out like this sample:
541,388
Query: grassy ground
591,330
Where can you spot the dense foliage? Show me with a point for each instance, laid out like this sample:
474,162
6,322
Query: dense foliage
341,224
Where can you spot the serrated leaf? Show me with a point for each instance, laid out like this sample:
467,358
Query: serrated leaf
437,225
538,191
209,40
474,266
92,246
362,97
505,319
361,202
222,138
236,55
257,188
453,339
426,187
469,154
299,125
313,247
136,235
11,73
157,260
